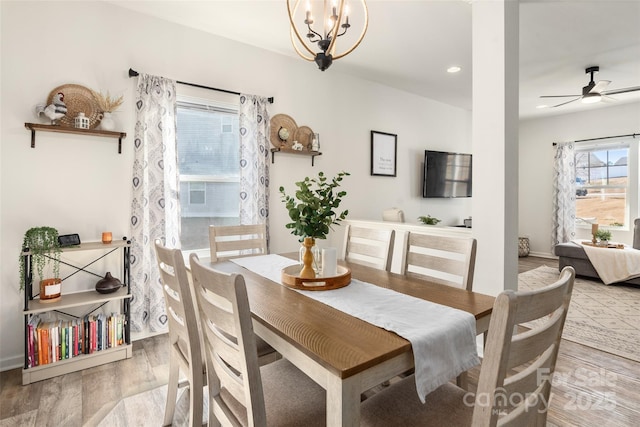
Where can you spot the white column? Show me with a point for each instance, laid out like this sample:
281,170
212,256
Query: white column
495,143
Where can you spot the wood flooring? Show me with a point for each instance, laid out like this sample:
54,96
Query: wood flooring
591,387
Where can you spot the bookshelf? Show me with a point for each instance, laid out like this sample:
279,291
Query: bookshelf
83,347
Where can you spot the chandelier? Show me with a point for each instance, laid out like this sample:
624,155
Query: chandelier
332,23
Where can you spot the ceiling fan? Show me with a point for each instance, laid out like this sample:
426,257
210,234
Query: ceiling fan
593,92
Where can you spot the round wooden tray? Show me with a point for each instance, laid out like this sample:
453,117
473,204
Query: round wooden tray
608,246
291,278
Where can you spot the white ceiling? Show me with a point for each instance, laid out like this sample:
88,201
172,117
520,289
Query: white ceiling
410,44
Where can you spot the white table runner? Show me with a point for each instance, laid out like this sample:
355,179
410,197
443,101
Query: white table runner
443,338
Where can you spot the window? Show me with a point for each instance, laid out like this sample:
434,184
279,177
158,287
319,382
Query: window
603,184
197,193
209,166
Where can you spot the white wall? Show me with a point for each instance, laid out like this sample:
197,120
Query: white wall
82,185
536,165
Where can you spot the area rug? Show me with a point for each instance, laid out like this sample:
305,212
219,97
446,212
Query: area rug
146,409
603,317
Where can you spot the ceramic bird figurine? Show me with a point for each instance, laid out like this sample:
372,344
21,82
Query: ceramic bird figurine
55,110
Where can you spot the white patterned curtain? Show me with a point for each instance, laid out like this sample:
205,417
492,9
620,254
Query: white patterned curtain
564,195
155,210
254,159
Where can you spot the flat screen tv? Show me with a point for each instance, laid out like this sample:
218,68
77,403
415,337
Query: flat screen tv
446,175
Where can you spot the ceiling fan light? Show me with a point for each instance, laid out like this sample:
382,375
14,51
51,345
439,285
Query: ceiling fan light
591,98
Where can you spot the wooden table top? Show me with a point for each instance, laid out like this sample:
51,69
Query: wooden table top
339,342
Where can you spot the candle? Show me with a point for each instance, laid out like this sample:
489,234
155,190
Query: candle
329,262
106,237
594,229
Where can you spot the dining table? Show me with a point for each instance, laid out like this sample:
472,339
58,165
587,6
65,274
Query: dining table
343,354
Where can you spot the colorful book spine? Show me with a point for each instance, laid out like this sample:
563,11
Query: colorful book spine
54,340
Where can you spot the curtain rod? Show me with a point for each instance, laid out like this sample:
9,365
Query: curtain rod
633,135
134,73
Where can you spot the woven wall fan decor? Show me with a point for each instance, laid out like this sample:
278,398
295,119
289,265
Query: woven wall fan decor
304,136
78,99
283,129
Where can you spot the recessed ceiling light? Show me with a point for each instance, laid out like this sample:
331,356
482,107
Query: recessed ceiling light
542,106
453,69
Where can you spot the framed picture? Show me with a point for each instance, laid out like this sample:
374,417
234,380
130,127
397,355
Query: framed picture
384,147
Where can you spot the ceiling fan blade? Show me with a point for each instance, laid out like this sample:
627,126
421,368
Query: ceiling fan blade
565,103
624,90
600,86
558,96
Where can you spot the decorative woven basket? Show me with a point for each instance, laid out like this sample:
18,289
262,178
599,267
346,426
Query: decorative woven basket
523,246
282,121
78,99
304,136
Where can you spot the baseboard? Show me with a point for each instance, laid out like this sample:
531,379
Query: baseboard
11,363
137,336
543,255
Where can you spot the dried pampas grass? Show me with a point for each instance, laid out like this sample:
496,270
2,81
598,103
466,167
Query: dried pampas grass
106,103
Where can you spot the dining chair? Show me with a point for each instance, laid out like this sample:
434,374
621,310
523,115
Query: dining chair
368,246
186,353
516,374
234,241
446,260
393,214
241,392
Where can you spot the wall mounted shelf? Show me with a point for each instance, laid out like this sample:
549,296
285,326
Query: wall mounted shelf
33,127
313,154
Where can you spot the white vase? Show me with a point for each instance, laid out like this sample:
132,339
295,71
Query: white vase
107,122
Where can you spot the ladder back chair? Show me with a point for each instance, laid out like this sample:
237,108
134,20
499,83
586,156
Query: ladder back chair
368,246
393,214
234,241
516,374
240,392
186,353
445,260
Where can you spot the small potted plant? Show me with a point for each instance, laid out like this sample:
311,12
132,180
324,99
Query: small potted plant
429,220
313,210
43,246
603,237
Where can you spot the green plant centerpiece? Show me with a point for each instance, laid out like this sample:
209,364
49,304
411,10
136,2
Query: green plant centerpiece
313,210
429,220
603,236
42,243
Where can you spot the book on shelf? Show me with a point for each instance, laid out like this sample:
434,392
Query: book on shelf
32,341
50,340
